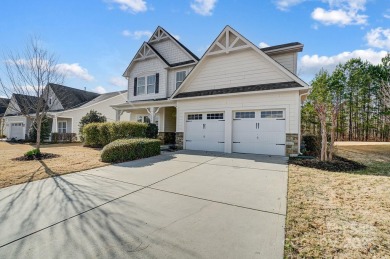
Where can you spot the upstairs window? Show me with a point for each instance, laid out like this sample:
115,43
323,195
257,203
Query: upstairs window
151,81
180,78
141,85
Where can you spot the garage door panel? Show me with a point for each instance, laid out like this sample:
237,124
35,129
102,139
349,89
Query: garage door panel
206,134
259,135
17,131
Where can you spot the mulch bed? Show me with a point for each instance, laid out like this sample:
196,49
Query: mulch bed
41,156
338,164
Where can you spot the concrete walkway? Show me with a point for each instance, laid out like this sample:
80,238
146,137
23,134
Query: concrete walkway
177,205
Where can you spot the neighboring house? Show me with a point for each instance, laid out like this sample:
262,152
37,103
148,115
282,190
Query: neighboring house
17,125
66,106
67,121
3,107
237,98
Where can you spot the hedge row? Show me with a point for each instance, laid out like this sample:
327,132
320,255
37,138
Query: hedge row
123,150
63,137
100,134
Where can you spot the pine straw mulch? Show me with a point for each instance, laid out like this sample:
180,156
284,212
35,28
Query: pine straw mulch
340,214
41,156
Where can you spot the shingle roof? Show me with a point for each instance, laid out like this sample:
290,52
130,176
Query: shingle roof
291,44
3,105
71,97
240,89
102,97
27,103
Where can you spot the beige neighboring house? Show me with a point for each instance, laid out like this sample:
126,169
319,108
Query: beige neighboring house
66,105
236,98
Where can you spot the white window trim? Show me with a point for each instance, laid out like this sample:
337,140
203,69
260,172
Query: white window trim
147,85
145,91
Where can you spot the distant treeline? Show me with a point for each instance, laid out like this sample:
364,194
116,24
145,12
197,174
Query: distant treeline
362,91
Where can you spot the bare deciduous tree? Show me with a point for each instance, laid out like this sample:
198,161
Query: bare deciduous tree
27,74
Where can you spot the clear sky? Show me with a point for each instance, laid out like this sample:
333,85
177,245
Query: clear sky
95,40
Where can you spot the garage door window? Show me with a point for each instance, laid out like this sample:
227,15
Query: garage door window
192,117
215,116
244,115
272,114
16,124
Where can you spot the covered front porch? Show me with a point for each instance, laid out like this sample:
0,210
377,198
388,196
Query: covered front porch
62,129
161,113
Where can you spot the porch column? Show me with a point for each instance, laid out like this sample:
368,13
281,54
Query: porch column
118,115
54,126
152,112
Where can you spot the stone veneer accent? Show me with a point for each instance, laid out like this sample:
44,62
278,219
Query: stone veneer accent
167,137
291,144
179,140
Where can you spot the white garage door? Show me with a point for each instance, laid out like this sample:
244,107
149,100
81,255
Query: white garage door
17,131
205,131
259,132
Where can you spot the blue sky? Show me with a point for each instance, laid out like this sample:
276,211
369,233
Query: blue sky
95,40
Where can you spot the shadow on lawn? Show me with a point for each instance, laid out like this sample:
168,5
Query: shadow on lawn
77,216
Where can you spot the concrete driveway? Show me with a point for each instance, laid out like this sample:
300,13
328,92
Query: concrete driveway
176,205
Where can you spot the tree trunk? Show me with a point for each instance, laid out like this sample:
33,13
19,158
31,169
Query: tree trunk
324,141
332,132
39,128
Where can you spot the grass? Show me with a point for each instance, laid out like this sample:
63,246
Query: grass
341,215
73,158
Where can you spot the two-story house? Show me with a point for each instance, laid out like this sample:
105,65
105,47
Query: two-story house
236,98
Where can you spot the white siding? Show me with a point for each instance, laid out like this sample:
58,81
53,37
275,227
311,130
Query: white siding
289,101
13,107
288,60
170,51
239,68
56,104
172,78
145,68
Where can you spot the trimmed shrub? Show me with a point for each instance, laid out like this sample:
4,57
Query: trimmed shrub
90,117
152,130
100,134
311,145
63,137
122,150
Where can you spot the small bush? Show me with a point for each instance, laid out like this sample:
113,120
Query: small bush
311,145
123,150
152,131
63,137
3,136
100,134
31,154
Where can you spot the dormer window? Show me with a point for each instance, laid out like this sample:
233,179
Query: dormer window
180,78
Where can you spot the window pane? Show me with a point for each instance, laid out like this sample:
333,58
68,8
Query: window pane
194,117
141,85
215,116
180,78
151,80
245,115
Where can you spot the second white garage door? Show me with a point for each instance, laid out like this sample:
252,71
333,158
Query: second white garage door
259,132
205,131
16,131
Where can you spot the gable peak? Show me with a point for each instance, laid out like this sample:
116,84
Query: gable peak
228,40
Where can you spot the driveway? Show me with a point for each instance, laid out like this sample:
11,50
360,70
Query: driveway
176,205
